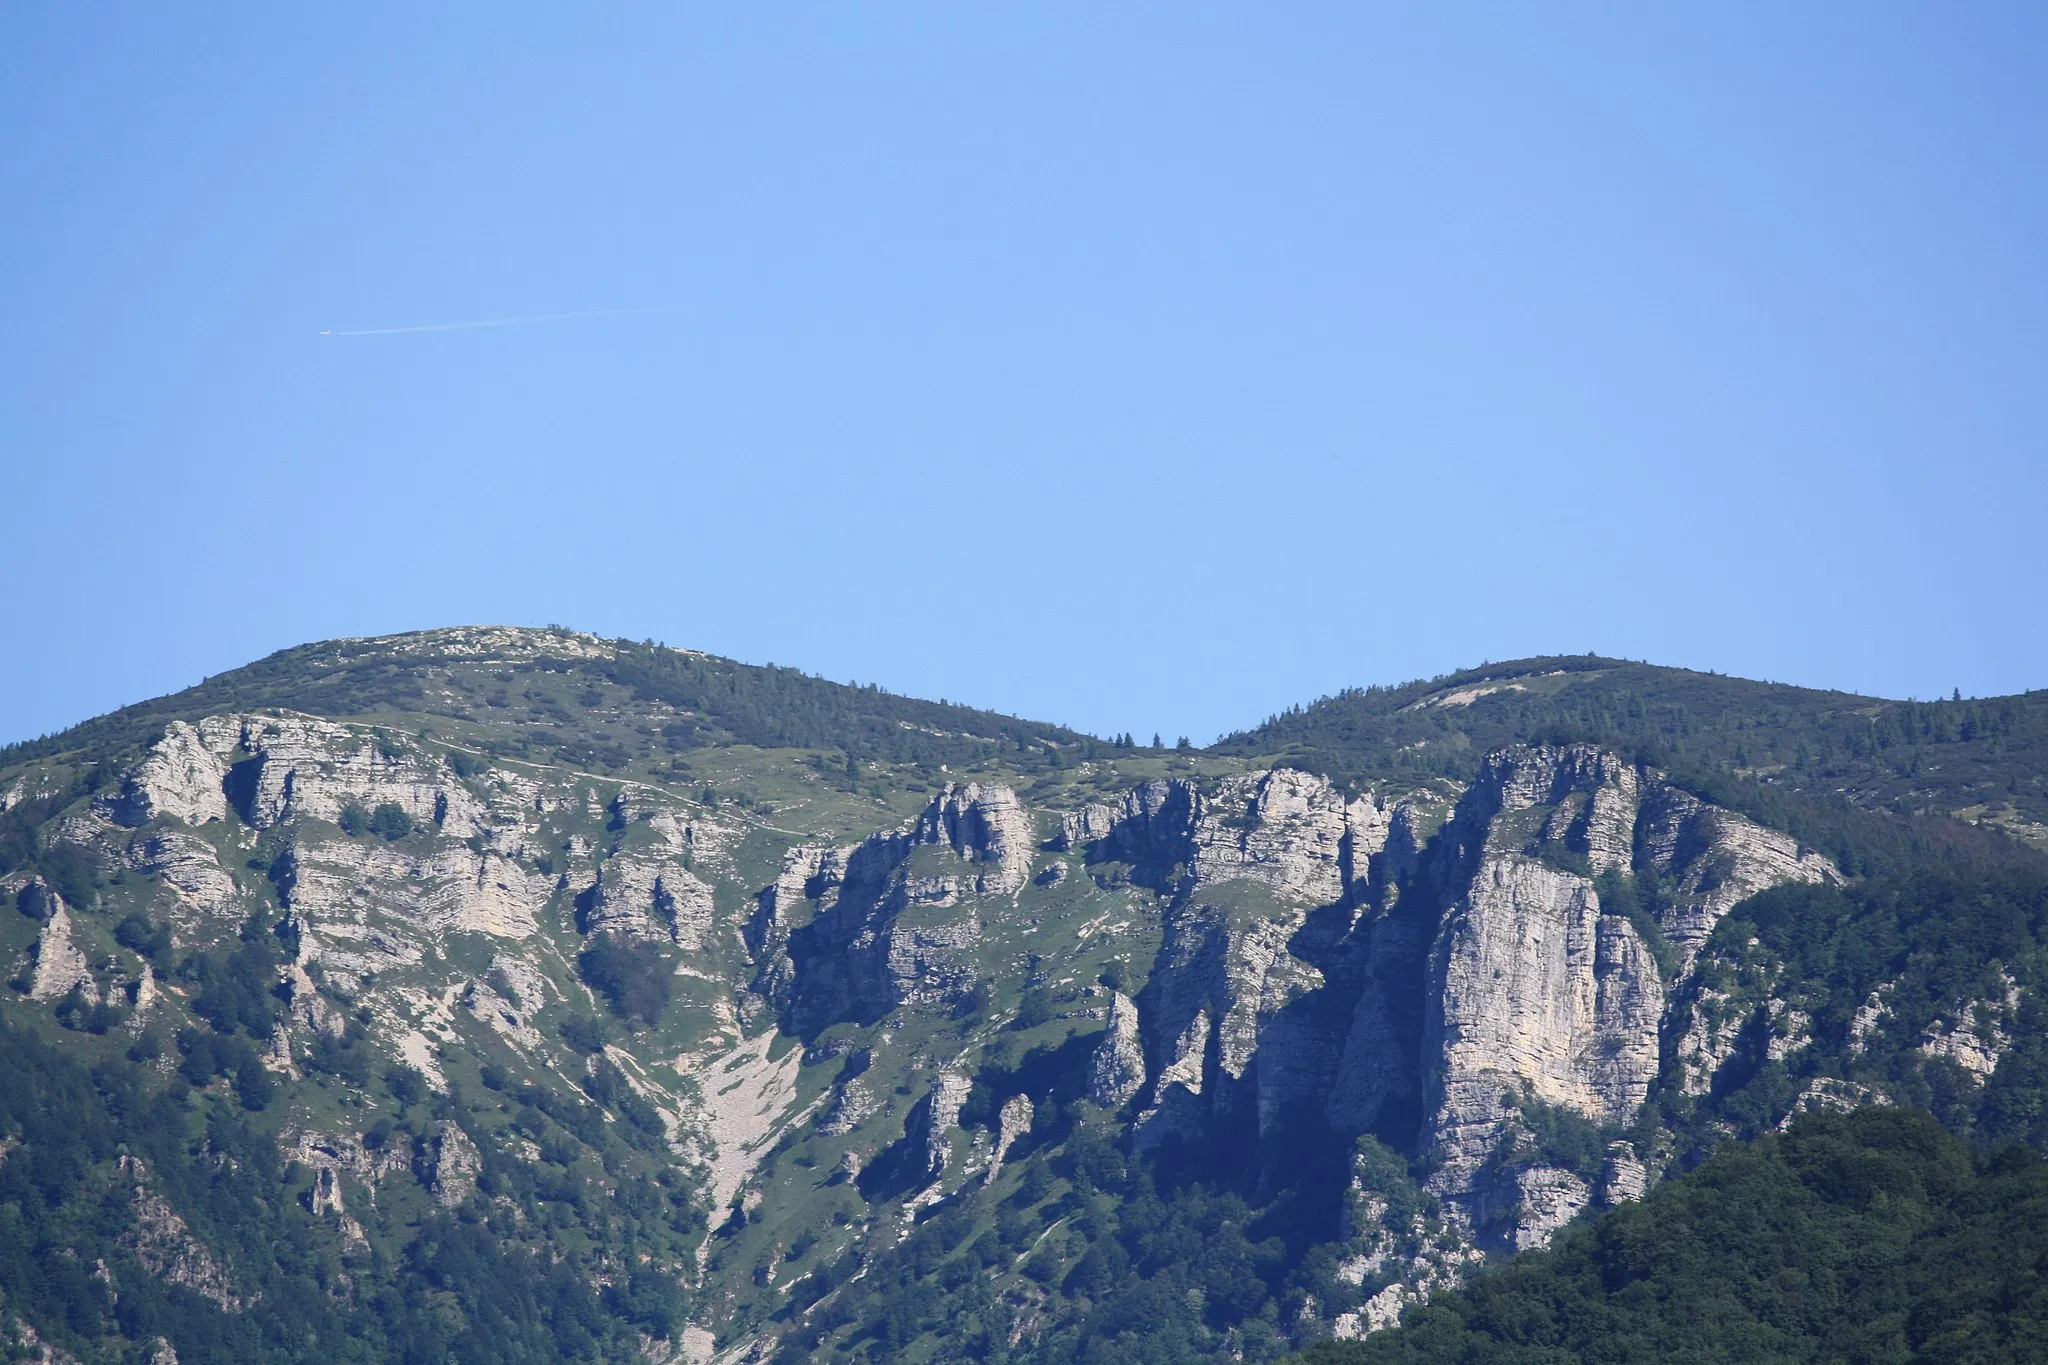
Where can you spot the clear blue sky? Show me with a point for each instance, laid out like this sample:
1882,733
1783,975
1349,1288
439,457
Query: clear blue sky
1139,367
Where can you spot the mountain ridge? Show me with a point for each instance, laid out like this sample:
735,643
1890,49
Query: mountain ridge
789,1019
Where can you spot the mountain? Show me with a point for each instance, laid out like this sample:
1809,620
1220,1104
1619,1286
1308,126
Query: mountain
492,994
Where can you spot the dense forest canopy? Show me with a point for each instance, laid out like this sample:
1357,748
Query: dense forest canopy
1873,1236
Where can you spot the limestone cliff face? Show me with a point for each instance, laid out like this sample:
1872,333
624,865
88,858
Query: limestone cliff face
986,824
858,931
183,777
1336,961
1234,1026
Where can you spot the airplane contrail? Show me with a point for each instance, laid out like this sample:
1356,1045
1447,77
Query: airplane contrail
485,322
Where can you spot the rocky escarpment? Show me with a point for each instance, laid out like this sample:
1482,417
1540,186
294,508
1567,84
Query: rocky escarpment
1348,965
853,932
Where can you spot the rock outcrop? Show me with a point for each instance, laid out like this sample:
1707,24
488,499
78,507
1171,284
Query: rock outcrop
60,965
986,824
938,1120
852,933
452,1165
183,777
1116,1070
1012,1123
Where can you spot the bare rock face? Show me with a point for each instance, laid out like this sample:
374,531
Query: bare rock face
939,1121
885,925
1539,1200
1976,1034
183,777
1339,957
452,1166
1084,826
1011,1125
984,823
1717,859
1216,982
199,888
1624,1177
648,896
299,767
1288,830
1521,996
1116,1072
59,963
368,905
1533,988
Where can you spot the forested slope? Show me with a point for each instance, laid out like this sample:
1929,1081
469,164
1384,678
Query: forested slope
1982,758
1873,1236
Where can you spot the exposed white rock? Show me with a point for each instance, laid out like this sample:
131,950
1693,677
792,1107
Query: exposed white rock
1624,1177
304,767
163,1242
1542,1199
59,963
649,896
1869,1015
1713,1028
181,777
1790,1030
1116,1070
1011,1125
1826,1094
1084,826
452,1165
986,823
852,1105
1520,998
940,1120
1716,859
201,890
1289,830
1975,1035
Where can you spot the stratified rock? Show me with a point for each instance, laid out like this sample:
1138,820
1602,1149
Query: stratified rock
1624,1176
181,777
298,767
648,896
200,889
1116,1070
985,823
1288,830
1084,826
1715,859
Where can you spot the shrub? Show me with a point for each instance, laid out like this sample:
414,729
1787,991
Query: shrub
634,978
1034,1009
140,934
406,1085
390,821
